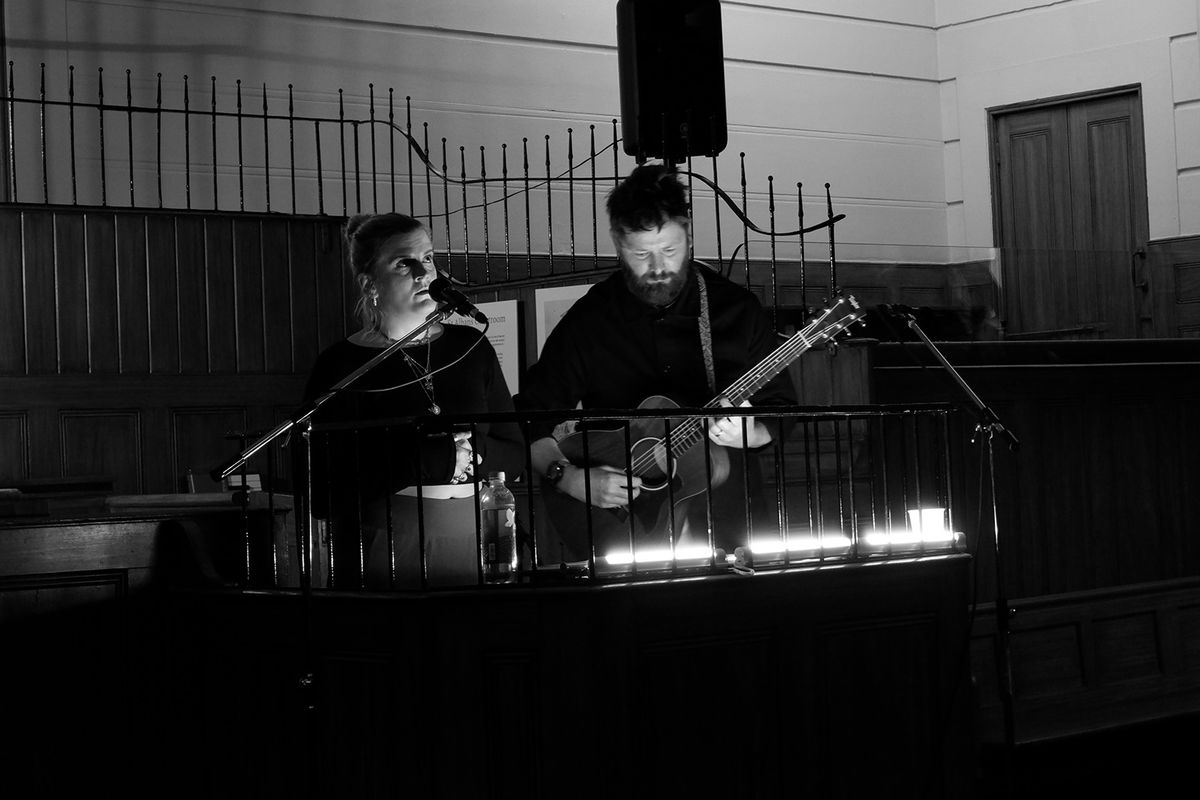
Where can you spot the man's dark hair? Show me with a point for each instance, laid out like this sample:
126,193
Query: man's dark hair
651,196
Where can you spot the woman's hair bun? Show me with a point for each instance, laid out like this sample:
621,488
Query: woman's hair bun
354,223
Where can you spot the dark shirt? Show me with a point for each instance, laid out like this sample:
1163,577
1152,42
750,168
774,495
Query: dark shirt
369,466
612,350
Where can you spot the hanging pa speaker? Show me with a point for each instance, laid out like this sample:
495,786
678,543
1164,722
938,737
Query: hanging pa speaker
672,73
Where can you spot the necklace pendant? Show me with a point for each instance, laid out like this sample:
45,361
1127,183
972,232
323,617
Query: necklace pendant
435,409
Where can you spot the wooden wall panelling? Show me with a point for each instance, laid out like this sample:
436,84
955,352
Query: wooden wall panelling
12,294
1187,297
1177,422
336,292
144,293
302,290
972,286
100,254
106,442
45,439
1184,425
932,296
158,474
35,430
849,655
71,281
1090,660
132,294
1051,658
1064,458
14,446
1187,282
1184,653
1136,524
162,272
249,294
649,653
833,376
276,287
1084,503
868,296
219,265
1172,269
198,438
41,330
1126,647
696,662
194,304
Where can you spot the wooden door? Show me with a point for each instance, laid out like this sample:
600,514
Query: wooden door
1069,197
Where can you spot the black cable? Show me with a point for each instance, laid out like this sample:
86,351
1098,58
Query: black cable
423,156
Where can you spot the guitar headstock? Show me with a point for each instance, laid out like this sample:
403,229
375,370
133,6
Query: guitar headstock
836,317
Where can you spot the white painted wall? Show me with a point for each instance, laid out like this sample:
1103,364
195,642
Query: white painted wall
884,99
995,52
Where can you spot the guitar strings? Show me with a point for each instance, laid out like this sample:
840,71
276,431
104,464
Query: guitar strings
688,431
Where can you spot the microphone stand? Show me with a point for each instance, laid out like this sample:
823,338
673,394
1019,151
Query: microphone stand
233,465
306,522
988,425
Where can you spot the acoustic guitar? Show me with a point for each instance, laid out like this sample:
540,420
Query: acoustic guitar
663,451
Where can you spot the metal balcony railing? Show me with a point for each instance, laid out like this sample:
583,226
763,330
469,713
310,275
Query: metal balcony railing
843,485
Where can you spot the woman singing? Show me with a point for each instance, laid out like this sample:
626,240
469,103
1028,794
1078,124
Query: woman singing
365,481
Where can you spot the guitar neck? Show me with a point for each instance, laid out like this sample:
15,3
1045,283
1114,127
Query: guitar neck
691,432
758,376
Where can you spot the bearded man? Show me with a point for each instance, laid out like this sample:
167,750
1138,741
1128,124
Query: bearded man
661,326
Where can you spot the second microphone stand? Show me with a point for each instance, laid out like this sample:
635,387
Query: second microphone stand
987,427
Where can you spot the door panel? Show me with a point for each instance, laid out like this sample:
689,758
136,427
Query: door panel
1172,271
1038,278
1109,198
1070,212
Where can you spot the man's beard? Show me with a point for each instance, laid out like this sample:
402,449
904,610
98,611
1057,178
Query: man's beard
657,292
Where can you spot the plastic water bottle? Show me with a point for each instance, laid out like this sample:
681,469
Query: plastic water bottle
498,517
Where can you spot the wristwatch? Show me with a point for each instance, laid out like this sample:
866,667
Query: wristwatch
554,473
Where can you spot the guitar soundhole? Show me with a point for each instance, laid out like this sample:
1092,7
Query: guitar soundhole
650,464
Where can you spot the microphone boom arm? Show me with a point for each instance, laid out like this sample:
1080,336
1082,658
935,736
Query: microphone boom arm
226,469
986,415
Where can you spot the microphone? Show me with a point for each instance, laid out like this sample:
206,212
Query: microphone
441,291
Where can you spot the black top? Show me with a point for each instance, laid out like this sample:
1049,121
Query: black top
612,350
368,466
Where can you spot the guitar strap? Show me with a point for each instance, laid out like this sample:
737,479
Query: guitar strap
706,333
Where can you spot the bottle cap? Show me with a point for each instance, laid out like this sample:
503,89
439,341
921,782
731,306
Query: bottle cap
495,476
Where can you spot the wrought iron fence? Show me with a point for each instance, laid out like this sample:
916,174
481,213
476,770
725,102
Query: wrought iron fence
532,208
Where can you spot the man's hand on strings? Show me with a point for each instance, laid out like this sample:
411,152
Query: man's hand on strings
738,432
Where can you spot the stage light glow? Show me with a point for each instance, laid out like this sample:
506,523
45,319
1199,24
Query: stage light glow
929,522
925,526
658,555
775,546
885,539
